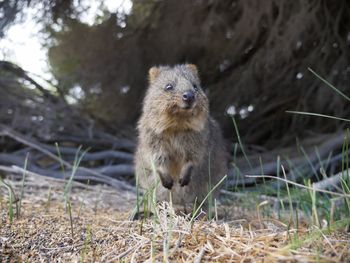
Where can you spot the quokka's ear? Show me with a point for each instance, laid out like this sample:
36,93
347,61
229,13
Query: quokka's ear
153,73
193,69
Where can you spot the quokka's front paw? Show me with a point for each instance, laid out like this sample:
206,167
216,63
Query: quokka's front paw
166,180
183,181
186,173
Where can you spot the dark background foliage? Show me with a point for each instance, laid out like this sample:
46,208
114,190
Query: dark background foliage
249,53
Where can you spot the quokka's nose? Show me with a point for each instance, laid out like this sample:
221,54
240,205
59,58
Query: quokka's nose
188,96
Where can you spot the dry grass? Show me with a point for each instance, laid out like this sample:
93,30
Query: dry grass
102,233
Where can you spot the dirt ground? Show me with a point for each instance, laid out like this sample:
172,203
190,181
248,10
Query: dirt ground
100,231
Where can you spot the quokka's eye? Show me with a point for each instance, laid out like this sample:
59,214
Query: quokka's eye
168,87
195,87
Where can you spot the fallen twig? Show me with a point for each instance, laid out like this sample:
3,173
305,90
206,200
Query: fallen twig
330,182
97,176
300,185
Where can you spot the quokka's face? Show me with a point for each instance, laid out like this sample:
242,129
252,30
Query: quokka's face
177,91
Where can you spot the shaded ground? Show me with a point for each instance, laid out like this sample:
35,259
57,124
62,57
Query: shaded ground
103,233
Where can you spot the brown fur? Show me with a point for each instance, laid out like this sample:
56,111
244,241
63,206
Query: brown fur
179,142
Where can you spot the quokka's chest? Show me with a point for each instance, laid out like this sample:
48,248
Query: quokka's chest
183,146
175,146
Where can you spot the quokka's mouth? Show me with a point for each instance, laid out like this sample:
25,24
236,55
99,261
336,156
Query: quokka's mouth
183,109
187,107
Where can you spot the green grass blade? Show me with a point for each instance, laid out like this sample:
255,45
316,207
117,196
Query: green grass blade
202,203
289,196
210,198
22,184
76,164
329,85
11,200
240,143
309,162
71,219
61,160
317,115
